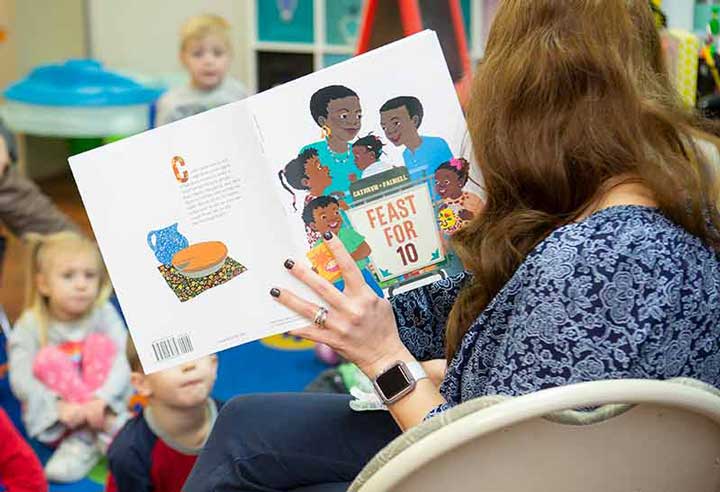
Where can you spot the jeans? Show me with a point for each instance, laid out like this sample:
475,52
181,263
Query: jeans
300,442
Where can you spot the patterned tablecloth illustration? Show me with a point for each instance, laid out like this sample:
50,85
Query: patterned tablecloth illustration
191,269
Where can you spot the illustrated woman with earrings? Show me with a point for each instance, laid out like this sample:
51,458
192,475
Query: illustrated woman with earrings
336,110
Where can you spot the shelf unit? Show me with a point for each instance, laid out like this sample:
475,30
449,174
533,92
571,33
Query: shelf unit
310,38
313,34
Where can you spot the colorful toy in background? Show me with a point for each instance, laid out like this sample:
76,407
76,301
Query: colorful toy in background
286,341
714,24
692,60
660,17
78,99
682,50
708,56
286,9
384,21
3,34
708,78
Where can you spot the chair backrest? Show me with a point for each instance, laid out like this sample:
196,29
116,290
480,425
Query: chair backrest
665,437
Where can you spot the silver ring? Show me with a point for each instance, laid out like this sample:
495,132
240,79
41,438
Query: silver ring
320,317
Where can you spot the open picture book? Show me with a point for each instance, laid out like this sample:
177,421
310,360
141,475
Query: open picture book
195,219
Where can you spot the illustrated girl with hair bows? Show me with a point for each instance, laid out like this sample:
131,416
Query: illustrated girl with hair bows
458,207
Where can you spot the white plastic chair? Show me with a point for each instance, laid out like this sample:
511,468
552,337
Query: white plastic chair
646,436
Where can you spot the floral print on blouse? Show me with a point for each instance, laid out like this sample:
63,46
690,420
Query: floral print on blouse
625,293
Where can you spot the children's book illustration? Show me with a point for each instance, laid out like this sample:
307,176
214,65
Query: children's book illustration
371,151
371,155
368,151
307,173
400,119
191,269
166,242
323,214
457,206
336,110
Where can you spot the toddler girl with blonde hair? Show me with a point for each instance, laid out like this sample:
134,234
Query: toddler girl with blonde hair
65,355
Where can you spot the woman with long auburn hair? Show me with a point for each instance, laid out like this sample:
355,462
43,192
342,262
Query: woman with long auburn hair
602,130
596,256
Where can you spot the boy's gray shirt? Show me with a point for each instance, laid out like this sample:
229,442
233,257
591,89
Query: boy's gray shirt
181,102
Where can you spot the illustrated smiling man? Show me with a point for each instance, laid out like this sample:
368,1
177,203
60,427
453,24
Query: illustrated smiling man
400,119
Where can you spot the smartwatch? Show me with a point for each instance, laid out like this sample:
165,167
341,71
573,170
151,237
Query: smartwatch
398,380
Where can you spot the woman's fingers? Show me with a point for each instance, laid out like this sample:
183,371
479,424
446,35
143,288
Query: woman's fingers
312,333
351,273
322,287
307,310
304,308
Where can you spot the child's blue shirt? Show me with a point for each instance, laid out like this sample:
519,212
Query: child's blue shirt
423,162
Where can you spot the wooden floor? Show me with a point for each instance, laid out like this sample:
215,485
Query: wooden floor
63,192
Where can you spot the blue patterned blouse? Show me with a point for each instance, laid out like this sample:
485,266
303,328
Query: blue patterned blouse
625,293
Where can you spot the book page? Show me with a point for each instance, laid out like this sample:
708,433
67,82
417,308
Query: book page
195,219
359,148
190,239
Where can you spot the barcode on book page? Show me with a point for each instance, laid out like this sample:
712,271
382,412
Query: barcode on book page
171,347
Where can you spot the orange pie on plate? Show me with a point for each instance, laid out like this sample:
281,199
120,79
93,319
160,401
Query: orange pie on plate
200,259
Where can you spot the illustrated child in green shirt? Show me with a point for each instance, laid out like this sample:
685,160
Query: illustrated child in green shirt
322,214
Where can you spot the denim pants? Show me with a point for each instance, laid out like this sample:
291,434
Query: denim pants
309,442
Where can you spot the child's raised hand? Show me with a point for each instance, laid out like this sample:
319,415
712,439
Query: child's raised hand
95,413
71,414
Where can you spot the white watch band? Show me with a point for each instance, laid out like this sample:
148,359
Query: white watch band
416,370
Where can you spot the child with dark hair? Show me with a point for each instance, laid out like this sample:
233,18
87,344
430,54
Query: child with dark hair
62,351
306,173
336,110
367,151
458,207
323,215
400,119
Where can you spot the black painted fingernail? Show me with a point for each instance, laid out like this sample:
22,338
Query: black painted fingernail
328,236
275,292
289,264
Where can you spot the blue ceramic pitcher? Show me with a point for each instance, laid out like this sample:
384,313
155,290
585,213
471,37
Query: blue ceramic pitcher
166,242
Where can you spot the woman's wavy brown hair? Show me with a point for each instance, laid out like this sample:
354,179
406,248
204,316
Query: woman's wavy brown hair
569,96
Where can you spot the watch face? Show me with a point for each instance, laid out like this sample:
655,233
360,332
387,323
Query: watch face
392,382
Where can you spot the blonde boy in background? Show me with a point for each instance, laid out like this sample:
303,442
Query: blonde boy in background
206,53
156,449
